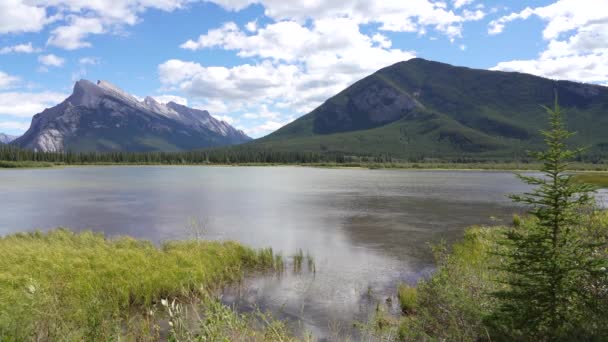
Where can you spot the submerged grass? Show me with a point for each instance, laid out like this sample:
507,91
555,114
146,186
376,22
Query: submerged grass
62,285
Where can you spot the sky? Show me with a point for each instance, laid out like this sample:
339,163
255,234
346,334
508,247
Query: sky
259,64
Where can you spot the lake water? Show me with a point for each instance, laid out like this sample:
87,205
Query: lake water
368,230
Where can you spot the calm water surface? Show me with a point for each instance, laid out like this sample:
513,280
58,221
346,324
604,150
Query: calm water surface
367,229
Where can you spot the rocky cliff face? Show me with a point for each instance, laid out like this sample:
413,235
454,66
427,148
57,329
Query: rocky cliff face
102,117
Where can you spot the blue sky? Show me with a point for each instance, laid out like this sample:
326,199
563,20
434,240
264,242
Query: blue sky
259,64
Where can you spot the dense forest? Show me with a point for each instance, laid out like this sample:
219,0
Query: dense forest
248,155
212,156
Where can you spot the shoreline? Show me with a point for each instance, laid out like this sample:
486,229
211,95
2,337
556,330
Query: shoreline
504,167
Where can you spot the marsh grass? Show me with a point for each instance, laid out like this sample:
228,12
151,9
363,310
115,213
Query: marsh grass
597,179
63,285
298,259
407,299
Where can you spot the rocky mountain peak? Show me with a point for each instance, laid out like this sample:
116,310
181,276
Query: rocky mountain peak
101,116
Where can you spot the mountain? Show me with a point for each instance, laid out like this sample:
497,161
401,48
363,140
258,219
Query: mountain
5,138
421,108
102,117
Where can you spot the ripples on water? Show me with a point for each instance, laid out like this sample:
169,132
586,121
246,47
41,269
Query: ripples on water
367,229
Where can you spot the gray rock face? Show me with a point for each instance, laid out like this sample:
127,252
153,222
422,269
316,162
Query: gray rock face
5,138
372,103
102,117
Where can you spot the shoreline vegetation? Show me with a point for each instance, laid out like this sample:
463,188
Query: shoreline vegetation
68,286
13,157
593,174
464,166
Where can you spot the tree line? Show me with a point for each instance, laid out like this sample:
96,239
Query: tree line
211,156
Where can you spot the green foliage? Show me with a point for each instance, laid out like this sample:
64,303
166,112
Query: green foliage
549,265
62,285
407,298
451,304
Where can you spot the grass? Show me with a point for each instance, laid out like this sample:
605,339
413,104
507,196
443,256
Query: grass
62,285
25,164
597,179
407,298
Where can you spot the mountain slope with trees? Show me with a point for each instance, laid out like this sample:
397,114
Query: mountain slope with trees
426,109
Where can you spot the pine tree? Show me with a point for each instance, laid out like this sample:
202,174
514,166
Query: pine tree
545,261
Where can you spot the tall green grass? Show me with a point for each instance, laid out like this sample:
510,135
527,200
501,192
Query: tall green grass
62,285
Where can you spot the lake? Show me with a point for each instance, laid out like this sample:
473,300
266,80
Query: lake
368,230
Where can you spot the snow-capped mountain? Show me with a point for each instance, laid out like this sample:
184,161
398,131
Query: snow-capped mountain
103,117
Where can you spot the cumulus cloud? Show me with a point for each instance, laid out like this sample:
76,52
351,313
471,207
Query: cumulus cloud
51,60
498,25
391,15
577,41
164,99
21,16
26,104
19,48
78,18
71,36
300,66
7,81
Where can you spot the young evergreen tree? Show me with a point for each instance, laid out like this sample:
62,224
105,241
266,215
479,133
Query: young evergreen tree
545,261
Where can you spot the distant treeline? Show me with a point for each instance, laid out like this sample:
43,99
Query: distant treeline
215,156
243,155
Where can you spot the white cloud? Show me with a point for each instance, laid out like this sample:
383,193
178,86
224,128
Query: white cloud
301,66
19,48
88,61
498,25
391,15
78,19
25,104
16,126
584,68
51,60
461,3
577,37
7,81
252,26
71,36
262,113
227,119
266,127
164,99
22,16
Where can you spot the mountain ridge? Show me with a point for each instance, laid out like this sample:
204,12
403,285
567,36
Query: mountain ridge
7,138
421,108
103,117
